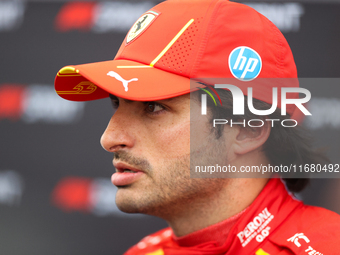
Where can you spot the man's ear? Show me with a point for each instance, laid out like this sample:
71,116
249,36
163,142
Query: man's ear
251,138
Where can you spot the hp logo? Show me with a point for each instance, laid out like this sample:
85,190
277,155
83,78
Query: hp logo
245,63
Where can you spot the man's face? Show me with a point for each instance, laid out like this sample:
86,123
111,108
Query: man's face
151,146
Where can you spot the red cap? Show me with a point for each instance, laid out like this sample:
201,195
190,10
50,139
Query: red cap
182,39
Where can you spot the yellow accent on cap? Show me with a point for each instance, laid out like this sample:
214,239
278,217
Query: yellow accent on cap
134,66
171,43
68,71
83,88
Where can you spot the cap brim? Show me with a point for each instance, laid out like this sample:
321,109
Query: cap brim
122,78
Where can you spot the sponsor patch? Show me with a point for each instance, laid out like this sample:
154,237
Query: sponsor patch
258,228
245,63
140,25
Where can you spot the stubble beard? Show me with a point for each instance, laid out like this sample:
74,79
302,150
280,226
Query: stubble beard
168,191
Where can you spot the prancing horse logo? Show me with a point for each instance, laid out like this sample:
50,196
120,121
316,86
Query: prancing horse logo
119,78
139,23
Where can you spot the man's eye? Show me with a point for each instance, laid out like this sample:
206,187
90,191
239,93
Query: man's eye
152,107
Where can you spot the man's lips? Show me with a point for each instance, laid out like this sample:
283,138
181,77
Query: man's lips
122,167
125,174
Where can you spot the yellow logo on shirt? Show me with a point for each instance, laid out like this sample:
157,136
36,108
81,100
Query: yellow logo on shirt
261,252
158,252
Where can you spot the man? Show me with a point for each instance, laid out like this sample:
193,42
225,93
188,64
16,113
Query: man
159,132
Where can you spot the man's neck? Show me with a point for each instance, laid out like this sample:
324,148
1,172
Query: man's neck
237,195
217,233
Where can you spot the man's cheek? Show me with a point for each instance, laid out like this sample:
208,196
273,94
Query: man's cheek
174,141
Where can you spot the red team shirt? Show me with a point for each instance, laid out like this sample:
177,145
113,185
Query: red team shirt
275,223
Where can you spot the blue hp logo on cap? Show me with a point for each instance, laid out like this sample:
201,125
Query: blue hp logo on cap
245,63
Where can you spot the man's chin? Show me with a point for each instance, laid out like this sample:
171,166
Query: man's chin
127,202
127,208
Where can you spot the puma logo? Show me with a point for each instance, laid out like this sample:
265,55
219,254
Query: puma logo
119,78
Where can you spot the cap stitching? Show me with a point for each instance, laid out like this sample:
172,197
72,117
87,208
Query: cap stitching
205,38
280,54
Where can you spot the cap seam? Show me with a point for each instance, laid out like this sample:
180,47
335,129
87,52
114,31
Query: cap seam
170,71
204,40
280,55
131,60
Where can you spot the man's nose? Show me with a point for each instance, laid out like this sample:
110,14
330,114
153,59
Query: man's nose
117,134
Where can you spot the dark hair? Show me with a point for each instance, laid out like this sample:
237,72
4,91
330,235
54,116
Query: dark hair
284,146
